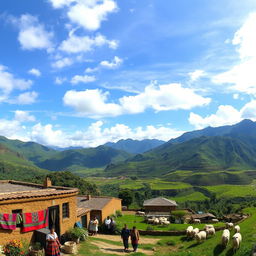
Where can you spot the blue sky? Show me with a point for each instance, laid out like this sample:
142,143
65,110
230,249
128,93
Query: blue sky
84,72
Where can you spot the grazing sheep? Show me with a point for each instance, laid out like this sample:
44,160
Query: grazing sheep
214,220
201,236
225,237
237,229
156,221
189,231
139,213
229,225
210,231
208,226
237,239
166,222
197,221
194,232
150,221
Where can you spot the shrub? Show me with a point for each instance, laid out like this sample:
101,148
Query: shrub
119,213
13,248
76,233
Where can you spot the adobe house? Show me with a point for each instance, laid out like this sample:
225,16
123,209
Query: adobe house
97,206
203,217
23,197
159,206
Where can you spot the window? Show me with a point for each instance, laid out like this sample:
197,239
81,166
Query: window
65,210
18,211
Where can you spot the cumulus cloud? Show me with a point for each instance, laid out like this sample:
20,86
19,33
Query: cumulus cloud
78,44
10,128
225,115
61,63
60,80
26,98
9,83
195,75
115,63
82,79
87,14
242,76
32,34
94,103
34,72
96,134
91,70
23,116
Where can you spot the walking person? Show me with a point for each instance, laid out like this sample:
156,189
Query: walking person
125,234
135,237
53,244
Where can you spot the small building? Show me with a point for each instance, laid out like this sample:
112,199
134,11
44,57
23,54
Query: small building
203,217
16,197
96,206
159,206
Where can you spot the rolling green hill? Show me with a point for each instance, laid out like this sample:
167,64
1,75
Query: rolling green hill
77,159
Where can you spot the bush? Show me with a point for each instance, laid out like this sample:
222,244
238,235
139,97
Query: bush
76,233
119,213
13,248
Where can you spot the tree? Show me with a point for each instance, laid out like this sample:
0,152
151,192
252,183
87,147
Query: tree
126,196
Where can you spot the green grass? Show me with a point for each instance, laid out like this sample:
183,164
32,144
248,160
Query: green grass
138,221
195,196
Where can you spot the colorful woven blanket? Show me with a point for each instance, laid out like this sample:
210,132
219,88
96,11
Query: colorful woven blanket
8,221
34,220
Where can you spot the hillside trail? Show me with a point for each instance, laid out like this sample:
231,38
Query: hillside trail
118,250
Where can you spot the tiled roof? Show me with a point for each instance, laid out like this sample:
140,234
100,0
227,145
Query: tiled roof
202,215
82,211
159,201
19,190
94,203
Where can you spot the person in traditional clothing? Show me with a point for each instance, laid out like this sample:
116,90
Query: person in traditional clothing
125,234
90,228
53,244
112,225
135,237
107,224
95,225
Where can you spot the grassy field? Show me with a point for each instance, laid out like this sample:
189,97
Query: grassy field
180,246
138,221
195,196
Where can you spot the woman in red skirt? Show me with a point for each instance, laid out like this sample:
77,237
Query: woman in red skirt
53,244
135,237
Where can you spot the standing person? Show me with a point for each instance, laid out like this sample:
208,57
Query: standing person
125,233
112,226
135,237
90,228
108,224
53,244
95,225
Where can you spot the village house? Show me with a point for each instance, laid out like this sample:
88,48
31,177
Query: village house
59,207
96,206
159,206
203,217
16,197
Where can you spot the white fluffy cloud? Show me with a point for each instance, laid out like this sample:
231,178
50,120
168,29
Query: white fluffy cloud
225,115
195,75
88,14
26,98
82,79
61,63
96,134
35,72
115,63
93,103
23,116
60,80
78,44
242,76
9,83
32,34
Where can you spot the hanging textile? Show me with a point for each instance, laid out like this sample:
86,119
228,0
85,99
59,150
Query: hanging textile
34,220
8,221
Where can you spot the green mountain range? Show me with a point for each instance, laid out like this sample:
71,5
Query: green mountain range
227,148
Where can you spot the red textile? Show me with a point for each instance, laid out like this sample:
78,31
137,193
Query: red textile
35,220
53,248
8,221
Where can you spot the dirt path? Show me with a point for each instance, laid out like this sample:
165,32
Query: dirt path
115,249
143,240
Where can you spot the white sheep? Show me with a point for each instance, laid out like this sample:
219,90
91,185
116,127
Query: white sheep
156,221
150,221
208,226
229,225
225,237
194,232
201,236
237,239
189,231
237,229
210,231
197,221
139,213
166,222
214,220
